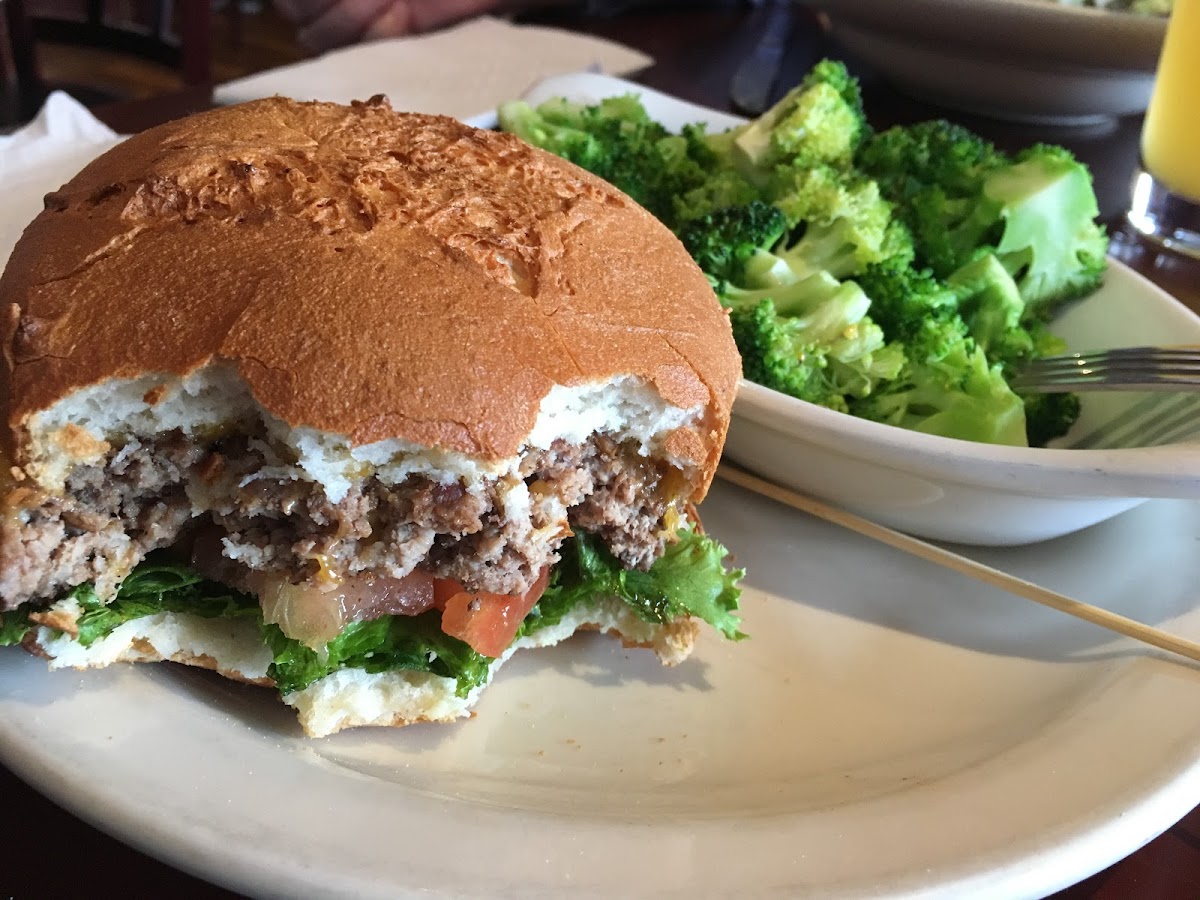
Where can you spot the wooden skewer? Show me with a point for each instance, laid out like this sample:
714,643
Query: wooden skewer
995,577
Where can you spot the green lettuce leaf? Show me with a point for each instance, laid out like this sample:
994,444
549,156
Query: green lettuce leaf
689,579
155,587
379,645
14,625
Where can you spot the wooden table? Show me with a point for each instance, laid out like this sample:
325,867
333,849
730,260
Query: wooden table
51,854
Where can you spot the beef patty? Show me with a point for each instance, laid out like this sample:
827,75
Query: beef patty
145,495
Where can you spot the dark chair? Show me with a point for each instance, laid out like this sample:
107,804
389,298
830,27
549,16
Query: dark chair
153,31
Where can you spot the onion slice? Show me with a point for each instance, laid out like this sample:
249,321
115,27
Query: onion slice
315,612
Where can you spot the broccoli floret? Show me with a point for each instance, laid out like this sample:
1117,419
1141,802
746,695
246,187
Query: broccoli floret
933,172
819,122
553,126
991,305
1043,342
771,358
1051,243
903,297
724,185
948,388
723,189
723,242
834,74
996,314
905,160
617,140
1048,416
961,197
714,151
969,324
846,224
811,339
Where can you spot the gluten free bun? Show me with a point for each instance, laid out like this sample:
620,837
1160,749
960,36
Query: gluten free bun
365,273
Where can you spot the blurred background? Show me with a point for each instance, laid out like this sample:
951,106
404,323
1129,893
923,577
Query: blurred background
108,50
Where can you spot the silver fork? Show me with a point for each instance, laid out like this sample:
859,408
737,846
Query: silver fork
1118,369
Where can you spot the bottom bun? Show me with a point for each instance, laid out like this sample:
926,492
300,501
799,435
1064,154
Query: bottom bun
347,698
232,647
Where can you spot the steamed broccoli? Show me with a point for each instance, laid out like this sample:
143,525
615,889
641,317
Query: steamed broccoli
772,358
947,387
724,242
800,329
723,189
1052,244
900,276
903,297
962,197
556,125
724,185
907,160
617,140
819,122
1048,416
812,339
994,312
846,225
991,305
961,338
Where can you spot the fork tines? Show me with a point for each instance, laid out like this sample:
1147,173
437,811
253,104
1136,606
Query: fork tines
1118,369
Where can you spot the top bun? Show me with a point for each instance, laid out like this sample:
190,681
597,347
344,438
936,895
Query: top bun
367,273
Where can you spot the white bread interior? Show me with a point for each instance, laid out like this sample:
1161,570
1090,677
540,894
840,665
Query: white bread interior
350,697
215,399
230,646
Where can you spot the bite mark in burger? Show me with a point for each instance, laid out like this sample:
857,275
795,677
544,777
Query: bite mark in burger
354,403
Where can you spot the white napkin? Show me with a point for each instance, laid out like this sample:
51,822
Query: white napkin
462,71
41,157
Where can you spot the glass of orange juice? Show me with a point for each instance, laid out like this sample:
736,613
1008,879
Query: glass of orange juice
1166,194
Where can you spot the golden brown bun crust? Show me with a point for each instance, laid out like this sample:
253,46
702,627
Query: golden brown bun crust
369,273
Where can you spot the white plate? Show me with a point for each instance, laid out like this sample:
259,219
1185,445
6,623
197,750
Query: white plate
1024,60
891,729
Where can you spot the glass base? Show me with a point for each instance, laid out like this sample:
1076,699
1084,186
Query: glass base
1163,218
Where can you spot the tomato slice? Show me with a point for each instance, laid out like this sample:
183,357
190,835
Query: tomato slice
444,589
486,622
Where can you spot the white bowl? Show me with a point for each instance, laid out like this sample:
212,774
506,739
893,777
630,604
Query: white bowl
976,493
963,491
1021,60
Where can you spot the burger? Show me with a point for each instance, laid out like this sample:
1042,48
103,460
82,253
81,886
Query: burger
354,403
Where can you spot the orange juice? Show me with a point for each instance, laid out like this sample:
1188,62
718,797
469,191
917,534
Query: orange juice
1171,136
